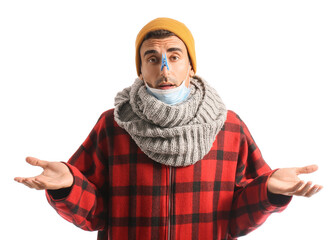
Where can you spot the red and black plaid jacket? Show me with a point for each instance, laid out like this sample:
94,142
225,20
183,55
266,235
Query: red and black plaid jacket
123,194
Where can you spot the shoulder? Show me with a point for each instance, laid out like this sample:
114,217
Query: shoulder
108,113
234,123
104,120
232,127
107,116
107,120
233,117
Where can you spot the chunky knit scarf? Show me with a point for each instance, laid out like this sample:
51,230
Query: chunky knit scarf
178,135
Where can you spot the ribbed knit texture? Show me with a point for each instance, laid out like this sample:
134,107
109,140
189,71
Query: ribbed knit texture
178,135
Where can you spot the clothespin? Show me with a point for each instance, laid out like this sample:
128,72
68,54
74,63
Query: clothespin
164,62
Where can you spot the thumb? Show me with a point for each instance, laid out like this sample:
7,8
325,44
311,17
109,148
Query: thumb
307,169
37,162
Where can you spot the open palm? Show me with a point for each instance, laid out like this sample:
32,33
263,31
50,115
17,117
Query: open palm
55,175
285,181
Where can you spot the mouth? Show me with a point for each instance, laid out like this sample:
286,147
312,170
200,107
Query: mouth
165,86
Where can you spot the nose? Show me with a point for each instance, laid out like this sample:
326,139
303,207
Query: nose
164,71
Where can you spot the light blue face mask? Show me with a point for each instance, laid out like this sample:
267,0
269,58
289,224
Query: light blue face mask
171,96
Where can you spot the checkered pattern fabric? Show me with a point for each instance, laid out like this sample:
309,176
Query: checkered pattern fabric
123,194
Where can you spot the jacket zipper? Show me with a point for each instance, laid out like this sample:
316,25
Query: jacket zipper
169,203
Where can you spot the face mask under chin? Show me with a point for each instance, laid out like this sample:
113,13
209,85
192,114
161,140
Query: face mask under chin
171,96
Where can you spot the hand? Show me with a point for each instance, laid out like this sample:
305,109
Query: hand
285,181
56,175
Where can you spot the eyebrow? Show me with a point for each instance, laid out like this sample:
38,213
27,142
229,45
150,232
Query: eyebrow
174,49
149,52
155,51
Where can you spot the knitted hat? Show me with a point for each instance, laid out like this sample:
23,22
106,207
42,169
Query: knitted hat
171,25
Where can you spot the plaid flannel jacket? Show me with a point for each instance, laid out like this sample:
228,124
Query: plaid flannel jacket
123,194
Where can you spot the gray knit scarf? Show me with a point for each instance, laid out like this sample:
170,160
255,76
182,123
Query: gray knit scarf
178,135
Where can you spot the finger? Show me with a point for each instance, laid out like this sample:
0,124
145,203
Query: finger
296,187
31,183
304,189
25,182
19,179
37,162
319,189
314,190
306,169
41,182
38,185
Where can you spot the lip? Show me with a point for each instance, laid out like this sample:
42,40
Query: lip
166,86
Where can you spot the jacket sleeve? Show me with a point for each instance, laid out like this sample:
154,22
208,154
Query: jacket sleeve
84,204
252,204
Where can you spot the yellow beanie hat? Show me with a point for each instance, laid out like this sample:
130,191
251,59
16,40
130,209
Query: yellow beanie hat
171,25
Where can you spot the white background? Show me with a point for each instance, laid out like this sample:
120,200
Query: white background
62,63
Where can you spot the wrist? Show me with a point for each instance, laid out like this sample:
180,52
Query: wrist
69,179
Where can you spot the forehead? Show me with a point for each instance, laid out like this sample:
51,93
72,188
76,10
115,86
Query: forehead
163,44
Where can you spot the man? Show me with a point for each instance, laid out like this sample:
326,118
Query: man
169,162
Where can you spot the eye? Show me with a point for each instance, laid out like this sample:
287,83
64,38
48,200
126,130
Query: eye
152,60
174,58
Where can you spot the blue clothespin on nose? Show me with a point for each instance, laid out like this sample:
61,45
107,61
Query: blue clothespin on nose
164,62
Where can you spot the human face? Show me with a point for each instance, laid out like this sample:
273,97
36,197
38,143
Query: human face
177,58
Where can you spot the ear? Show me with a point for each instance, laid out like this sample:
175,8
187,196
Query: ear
192,72
141,77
